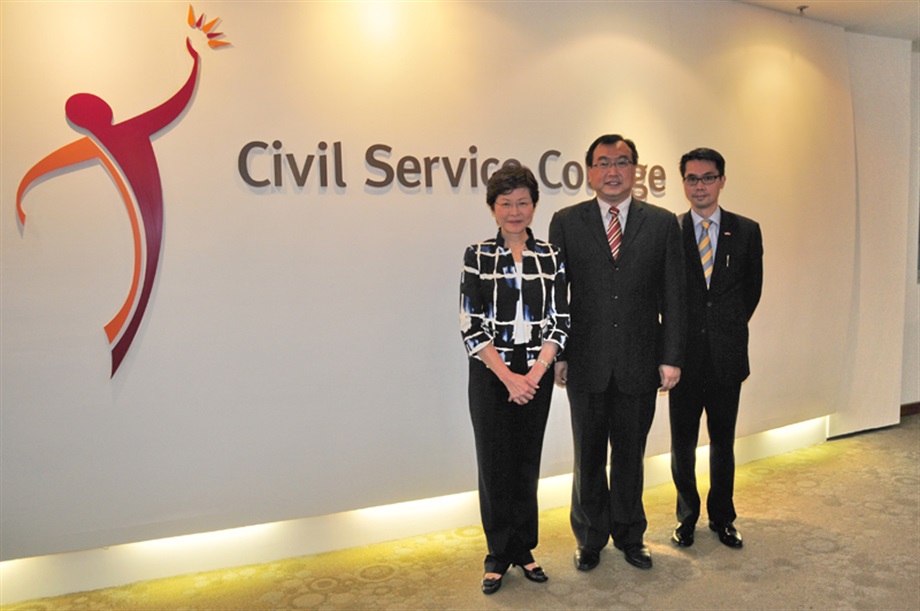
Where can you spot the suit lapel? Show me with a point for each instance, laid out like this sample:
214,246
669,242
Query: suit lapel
691,247
724,249
633,224
591,217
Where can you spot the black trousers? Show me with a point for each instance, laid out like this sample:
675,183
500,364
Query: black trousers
509,444
688,400
601,510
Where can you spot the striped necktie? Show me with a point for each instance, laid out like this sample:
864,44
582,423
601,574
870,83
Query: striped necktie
614,233
706,250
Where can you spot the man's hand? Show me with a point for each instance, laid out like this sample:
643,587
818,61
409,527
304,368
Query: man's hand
670,376
561,372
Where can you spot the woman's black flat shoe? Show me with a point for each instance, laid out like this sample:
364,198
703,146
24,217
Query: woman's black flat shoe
535,574
491,585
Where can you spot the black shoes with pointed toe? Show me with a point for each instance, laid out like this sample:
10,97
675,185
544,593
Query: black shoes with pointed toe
535,574
491,585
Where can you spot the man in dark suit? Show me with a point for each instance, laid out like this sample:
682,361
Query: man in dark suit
624,264
724,268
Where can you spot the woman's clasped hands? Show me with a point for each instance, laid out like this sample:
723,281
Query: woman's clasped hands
522,388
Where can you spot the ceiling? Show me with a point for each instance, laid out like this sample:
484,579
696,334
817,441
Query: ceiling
889,18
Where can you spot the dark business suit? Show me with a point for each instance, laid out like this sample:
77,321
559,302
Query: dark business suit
716,362
627,318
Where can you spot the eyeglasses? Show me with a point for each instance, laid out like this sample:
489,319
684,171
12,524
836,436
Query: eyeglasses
708,179
606,164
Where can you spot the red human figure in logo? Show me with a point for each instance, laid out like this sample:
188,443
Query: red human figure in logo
126,151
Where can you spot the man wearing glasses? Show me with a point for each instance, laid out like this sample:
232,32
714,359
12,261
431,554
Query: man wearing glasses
624,264
724,270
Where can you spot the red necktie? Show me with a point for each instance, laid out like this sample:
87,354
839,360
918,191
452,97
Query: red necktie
614,234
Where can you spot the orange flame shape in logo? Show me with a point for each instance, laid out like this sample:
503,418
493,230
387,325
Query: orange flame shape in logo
206,28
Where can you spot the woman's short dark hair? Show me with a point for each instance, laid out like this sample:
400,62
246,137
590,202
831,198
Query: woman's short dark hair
508,178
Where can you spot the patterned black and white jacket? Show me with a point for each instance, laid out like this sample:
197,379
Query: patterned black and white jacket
489,294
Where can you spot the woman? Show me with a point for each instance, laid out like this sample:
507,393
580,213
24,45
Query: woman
514,320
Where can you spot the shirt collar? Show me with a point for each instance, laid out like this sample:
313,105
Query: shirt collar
531,242
623,207
716,217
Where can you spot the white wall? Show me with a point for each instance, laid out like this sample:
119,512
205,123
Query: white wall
882,176
910,383
301,354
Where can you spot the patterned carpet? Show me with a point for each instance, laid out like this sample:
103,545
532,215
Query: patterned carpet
835,526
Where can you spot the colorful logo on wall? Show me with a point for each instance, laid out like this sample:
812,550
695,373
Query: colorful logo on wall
125,149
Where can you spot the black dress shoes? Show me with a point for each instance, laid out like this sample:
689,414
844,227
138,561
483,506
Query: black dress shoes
535,574
728,535
586,559
683,535
491,585
638,555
